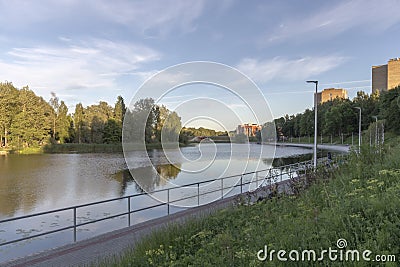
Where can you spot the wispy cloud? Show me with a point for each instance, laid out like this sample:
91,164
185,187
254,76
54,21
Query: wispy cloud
153,17
149,17
367,15
291,69
89,64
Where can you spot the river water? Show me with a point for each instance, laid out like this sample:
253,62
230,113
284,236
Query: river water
36,183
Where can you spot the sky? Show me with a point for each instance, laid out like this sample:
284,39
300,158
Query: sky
94,50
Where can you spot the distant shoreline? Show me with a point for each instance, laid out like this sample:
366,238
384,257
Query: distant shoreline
75,148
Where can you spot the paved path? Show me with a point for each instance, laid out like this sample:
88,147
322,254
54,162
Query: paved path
339,148
93,250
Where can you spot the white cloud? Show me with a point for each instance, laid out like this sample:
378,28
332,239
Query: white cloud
368,15
90,64
150,16
291,69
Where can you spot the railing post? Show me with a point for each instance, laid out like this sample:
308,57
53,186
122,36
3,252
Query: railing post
222,188
129,211
256,179
198,194
168,201
241,183
74,224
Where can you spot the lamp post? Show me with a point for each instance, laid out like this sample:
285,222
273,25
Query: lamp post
315,122
359,129
376,129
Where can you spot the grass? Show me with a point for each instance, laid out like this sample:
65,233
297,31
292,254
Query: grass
358,202
82,148
28,150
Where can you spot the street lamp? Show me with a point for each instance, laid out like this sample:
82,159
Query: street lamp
315,122
376,129
359,130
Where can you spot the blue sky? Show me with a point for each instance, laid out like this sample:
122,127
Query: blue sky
86,51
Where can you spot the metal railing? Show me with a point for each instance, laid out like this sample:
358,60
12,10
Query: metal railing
274,174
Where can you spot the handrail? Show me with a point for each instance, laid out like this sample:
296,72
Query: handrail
271,173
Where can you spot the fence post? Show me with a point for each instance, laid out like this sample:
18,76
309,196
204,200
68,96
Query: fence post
129,211
168,201
198,194
256,179
241,183
222,188
74,224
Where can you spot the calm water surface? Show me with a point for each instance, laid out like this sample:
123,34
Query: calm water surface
35,183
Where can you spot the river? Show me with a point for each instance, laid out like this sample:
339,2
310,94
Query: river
37,183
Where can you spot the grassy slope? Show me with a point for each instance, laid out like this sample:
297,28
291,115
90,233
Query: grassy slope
360,204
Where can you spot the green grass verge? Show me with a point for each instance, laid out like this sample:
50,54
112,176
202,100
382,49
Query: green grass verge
360,203
82,148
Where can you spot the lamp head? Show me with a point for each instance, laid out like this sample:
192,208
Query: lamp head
316,82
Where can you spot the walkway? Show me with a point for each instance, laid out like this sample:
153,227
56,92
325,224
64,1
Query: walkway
339,148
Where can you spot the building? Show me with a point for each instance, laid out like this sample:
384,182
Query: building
330,94
248,129
386,77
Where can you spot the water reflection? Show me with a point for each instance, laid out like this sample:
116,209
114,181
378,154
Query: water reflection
149,178
290,160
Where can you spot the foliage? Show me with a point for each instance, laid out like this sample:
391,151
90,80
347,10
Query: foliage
201,131
339,117
390,109
31,121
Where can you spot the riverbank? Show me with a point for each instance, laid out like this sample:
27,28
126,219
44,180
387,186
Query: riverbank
358,203
78,148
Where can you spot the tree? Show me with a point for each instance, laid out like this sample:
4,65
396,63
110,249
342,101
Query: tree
32,125
55,105
171,128
161,113
144,110
78,122
119,110
111,133
8,109
390,109
64,123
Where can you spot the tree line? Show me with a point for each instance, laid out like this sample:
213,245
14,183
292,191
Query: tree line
340,116
27,120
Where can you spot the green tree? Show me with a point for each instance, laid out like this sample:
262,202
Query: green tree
142,108
119,110
54,102
112,132
78,122
390,109
171,128
32,125
8,109
64,123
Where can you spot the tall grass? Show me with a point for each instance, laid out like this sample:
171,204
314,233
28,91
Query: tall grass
82,148
359,203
